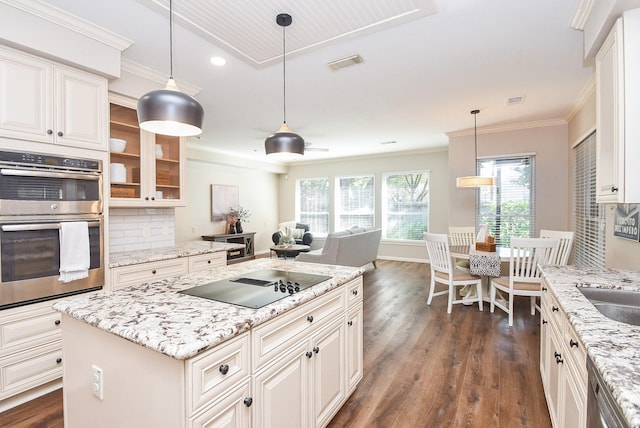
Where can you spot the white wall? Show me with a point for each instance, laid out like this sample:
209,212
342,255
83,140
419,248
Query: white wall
435,162
548,143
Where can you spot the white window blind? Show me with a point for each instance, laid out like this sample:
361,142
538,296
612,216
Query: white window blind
509,207
312,204
589,240
355,202
405,210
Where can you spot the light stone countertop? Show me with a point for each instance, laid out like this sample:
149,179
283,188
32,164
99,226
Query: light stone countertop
613,346
184,249
181,326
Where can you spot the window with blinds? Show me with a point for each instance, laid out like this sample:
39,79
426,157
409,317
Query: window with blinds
355,202
405,208
312,204
589,217
508,208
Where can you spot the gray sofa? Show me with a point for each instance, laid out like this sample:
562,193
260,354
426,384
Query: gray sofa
357,247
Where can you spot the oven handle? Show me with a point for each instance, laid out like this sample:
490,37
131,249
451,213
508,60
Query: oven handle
47,174
39,226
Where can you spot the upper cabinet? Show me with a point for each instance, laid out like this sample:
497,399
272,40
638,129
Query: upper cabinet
50,103
617,109
149,172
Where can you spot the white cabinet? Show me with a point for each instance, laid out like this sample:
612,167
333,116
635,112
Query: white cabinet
617,108
154,164
207,261
562,366
51,103
30,353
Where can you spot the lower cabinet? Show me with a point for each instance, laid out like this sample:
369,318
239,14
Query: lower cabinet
562,365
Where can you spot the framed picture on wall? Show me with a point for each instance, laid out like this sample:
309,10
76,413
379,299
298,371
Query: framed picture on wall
223,197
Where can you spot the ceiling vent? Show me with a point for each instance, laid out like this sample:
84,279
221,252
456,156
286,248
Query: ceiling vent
345,62
515,100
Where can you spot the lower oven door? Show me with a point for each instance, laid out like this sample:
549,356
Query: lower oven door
30,261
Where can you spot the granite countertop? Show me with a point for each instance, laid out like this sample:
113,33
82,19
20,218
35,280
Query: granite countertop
613,346
154,315
184,249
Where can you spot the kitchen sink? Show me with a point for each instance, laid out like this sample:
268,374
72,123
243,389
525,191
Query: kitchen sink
618,305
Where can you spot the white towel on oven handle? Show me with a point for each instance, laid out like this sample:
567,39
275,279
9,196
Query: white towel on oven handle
75,256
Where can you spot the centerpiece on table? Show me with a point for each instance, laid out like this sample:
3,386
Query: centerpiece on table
236,216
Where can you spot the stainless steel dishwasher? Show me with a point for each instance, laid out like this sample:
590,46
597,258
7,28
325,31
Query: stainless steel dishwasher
602,409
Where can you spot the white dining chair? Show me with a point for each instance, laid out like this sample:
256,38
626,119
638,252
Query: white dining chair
462,235
524,273
442,271
565,242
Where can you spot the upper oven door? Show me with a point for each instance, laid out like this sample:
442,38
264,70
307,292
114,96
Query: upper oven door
40,191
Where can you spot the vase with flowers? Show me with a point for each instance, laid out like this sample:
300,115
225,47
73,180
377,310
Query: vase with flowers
238,215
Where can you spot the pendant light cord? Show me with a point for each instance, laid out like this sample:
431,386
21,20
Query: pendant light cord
475,137
284,77
170,39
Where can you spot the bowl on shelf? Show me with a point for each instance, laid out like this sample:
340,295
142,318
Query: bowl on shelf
117,145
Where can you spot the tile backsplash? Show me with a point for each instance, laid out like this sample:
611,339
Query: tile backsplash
132,229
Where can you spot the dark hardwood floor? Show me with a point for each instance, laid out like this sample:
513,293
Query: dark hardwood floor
422,367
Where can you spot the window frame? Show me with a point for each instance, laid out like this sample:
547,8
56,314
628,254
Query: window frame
298,209
337,200
384,203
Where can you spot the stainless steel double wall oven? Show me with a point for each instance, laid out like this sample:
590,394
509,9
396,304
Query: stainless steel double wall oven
38,193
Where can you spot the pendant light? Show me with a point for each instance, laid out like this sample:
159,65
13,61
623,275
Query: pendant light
284,143
474,180
168,111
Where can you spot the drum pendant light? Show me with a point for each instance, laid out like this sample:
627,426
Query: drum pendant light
474,180
284,142
168,111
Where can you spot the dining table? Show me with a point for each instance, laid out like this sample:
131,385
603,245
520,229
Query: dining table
482,263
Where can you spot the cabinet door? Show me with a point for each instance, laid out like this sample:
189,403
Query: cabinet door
354,347
327,381
555,371
609,118
80,110
573,413
233,411
281,392
25,85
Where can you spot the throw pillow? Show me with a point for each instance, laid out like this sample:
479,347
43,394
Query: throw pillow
295,233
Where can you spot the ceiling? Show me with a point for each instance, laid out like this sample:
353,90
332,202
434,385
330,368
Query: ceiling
425,65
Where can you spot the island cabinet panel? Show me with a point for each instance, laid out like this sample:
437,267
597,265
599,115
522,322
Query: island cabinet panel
125,276
562,365
232,411
207,261
354,343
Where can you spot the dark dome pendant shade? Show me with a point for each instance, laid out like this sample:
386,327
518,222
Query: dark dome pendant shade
168,111
284,141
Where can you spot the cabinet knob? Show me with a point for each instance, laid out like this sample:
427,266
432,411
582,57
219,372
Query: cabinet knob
248,401
573,343
146,198
209,261
614,189
545,322
224,369
153,271
57,322
309,354
49,131
153,198
58,360
544,288
60,134
354,292
316,349
554,309
350,323
310,318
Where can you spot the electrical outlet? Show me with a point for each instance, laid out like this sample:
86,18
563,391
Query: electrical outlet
97,381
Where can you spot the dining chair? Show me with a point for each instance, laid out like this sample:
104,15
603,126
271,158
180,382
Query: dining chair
442,271
524,273
462,236
565,242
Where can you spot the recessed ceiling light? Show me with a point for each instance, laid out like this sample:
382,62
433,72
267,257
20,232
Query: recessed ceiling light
218,60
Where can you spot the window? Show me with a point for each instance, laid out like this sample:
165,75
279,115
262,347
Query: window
355,202
509,207
589,240
312,204
405,213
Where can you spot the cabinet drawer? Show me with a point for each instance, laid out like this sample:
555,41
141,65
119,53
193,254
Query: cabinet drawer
214,372
28,326
277,335
575,349
144,272
25,370
354,291
207,261
230,411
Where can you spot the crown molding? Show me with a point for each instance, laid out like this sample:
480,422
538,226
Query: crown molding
582,98
581,14
510,127
155,76
71,22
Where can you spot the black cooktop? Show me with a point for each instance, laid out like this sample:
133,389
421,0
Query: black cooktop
256,289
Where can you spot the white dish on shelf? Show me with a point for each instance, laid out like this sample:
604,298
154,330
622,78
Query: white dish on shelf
117,145
118,173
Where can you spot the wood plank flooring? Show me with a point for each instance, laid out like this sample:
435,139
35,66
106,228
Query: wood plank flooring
422,367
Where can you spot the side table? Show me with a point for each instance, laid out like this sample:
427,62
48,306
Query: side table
290,251
236,256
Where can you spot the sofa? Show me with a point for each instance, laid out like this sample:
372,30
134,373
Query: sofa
299,231
357,247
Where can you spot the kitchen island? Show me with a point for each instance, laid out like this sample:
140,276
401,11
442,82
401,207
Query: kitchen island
147,355
614,347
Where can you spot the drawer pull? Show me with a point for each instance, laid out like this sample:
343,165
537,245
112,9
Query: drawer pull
554,309
209,261
57,322
310,318
60,134
573,343
545,322
544,288
350,323
153,271
309,354
316,349
49,131
614,189
248,401
224,369
58,360
354,292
